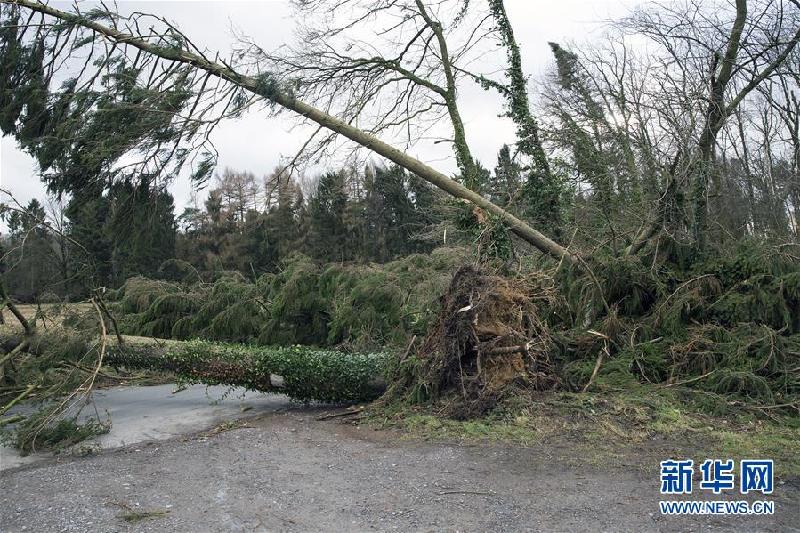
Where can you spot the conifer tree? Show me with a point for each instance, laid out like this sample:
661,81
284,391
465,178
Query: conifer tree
327,236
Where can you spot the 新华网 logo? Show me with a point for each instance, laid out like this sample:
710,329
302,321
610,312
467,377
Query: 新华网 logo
717,476
755,475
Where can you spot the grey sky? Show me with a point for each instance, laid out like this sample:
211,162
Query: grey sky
256,142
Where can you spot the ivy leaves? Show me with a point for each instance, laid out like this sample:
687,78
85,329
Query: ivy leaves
308,374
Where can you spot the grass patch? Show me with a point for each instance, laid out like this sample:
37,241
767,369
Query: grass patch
487,430
639,426
763,440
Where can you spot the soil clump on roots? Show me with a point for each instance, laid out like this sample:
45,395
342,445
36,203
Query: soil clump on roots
490,338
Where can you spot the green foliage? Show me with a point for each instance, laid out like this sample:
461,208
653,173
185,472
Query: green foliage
308,374
368,306
176,270
161,316
138,294
378,214
543,191
141,227
328,234
232,312
79,131
202,171
40,432
55,365
298,310
361,306
727,326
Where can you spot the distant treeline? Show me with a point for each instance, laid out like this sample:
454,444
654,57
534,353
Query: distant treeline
105,236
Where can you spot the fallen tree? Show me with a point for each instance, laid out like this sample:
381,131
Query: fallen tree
728,330
363,307
269,85
728,327
302,373
57,371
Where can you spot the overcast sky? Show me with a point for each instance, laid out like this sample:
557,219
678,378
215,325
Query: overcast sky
256,142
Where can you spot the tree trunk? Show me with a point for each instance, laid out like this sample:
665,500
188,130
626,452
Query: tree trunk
268,88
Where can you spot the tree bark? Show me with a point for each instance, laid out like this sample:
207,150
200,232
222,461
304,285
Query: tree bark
713,123
6,301
465,160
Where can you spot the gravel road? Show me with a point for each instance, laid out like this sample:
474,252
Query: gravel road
288,471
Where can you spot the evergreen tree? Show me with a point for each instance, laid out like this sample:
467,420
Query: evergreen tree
141,226
427,214
87,212
392,214
327,236
32,267
505,184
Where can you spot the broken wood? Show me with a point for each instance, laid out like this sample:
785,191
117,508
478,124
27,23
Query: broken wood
11,420
30,330
352,412
99,299
597,365
521,348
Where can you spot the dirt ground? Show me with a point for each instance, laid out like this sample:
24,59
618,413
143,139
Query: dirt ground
287,471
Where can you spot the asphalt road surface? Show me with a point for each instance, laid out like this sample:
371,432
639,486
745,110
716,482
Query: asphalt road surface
159,412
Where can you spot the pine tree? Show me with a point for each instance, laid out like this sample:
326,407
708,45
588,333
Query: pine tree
505,184
87,212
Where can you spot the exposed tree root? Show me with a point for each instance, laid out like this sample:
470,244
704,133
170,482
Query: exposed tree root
490,337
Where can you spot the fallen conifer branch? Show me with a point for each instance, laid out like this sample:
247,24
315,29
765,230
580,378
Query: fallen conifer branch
13,419
18,399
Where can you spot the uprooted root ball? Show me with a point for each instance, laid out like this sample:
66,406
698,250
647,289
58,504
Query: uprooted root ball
490,336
